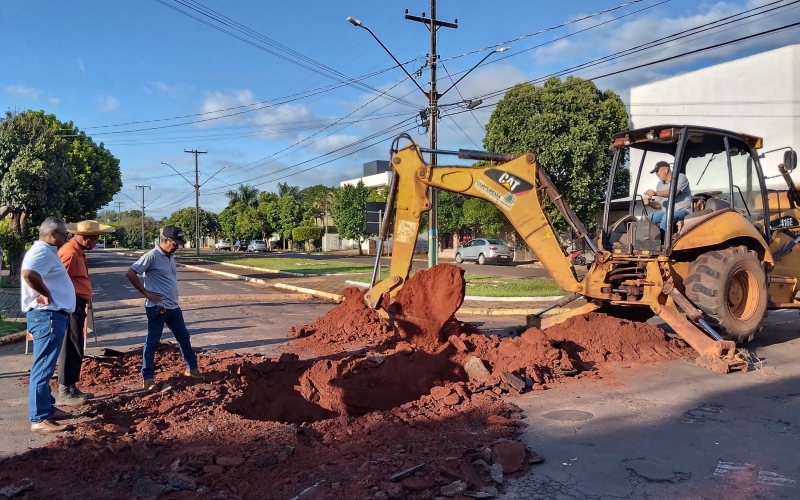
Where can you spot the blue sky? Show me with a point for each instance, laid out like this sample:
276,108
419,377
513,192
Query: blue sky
101,63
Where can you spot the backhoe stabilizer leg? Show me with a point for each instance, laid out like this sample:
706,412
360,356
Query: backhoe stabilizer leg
717,355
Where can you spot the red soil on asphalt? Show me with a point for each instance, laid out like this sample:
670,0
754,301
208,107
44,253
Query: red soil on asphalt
337,425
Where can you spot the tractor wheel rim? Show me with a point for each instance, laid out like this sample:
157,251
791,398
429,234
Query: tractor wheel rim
743,295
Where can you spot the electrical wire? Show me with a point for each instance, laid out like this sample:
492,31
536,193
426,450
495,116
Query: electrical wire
303,62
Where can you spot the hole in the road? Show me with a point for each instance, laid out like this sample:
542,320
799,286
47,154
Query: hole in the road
569,415
294,391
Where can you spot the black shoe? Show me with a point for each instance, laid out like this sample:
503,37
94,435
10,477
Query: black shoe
77,392
70,399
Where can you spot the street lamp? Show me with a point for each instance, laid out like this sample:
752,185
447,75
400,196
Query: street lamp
196,186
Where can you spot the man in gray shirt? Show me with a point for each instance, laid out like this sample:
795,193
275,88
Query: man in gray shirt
160,290
682,198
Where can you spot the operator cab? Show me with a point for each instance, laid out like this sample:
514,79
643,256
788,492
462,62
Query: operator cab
723,174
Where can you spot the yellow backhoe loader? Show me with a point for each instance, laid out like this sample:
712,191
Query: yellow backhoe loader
711,276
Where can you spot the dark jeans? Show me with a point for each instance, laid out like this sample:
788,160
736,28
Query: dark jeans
71,357
173,318
47,329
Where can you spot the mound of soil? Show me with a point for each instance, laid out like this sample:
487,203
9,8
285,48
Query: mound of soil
275,428
422,314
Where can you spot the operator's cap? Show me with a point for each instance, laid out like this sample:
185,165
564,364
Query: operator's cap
659,165
174,233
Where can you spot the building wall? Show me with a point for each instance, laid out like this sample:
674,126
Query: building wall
376,181
758,95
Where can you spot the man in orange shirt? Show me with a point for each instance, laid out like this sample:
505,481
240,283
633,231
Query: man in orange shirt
84,238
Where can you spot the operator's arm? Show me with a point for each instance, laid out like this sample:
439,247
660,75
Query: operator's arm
34,280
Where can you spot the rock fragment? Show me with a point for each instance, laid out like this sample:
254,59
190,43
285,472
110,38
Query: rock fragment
149,488
17,488
496,472
230,461
476,370
456,342
406,473
512,380
510,455
453,489
439,392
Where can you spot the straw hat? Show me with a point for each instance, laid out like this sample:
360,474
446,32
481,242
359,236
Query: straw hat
89,228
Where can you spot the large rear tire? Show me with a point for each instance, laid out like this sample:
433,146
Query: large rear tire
730,287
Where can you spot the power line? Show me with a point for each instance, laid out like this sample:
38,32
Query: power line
307,63
659,61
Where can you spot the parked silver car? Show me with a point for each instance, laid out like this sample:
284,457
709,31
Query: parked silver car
257,246
224,244
483,250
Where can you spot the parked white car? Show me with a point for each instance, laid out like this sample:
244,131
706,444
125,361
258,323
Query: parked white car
224,244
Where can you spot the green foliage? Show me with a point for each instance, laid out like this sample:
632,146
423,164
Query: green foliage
227,221
34,175
307,234
185,219
288,216
569,125
130,224
313,199
284,189
451,212
248,223
96,176
245,194
483,218
10,241
378,194
349,211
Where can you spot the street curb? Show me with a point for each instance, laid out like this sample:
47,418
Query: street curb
12,337
192,299
308,291
478,298
272,271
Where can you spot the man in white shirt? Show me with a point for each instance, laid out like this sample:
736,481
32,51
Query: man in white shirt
48,298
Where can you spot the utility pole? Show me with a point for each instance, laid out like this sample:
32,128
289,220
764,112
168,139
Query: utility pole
119,208
433,114
143,188
196,153
196,185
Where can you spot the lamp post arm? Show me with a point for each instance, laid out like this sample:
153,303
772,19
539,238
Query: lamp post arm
393,57
173,168
468,72
215,173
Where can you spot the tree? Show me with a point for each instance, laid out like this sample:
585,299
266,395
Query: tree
284,189
108,215
185,219
569,126
95,172
483,218
307,234
227,221
313,203
288,216
245,194
349,210
34,175
131,224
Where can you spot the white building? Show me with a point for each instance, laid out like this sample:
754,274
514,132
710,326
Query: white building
376,175
757,95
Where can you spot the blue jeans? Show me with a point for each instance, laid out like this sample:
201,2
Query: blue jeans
48,329
173,318
659,218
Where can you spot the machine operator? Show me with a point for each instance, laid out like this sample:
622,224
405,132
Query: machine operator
682,199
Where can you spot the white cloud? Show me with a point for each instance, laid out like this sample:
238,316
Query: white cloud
616,36
22,92
108,103
54,100
81,66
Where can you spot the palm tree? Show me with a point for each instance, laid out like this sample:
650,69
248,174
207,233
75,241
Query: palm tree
245,195
284,189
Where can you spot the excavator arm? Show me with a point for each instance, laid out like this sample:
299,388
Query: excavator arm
511,187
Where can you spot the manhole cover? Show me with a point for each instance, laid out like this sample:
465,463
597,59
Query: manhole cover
568,415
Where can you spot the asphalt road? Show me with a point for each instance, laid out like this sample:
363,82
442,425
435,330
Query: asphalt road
107,271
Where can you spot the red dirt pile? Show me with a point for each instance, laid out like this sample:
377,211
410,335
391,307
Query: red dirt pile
257,428
422,314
